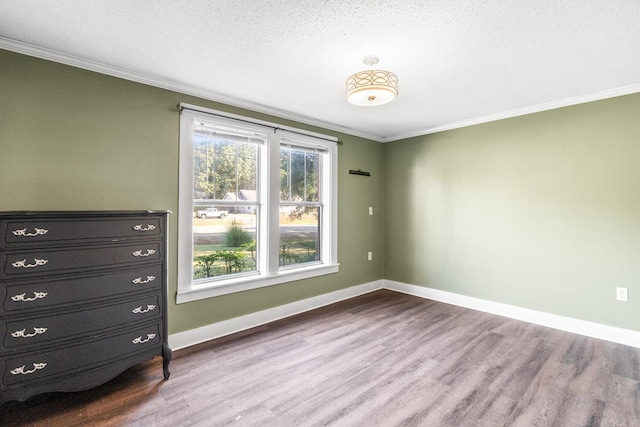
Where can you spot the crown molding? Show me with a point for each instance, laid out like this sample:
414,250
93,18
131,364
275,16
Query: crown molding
567,102
162,83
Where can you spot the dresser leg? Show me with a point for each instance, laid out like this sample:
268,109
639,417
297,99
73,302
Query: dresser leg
166,358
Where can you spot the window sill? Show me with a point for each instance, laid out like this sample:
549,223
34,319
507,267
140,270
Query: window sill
217,288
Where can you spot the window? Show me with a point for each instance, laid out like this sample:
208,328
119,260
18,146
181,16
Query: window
225,208
300,208
257,204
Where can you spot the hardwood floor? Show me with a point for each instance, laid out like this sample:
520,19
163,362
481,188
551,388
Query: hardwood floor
382,359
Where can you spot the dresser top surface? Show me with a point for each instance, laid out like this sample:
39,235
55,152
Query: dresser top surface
74,214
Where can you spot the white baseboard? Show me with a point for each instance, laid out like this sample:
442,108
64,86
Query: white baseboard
568,324
237,324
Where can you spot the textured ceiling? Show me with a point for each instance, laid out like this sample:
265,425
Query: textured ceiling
457,61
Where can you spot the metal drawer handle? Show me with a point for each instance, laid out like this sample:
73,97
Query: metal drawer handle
139,310
36,367
149,252
23,263
37,232
139,340
139,227
21,333
21,297
139,280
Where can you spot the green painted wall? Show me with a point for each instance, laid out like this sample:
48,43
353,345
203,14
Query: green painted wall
540,211
71,139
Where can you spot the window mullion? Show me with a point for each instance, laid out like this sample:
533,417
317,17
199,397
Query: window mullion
289,173
273,206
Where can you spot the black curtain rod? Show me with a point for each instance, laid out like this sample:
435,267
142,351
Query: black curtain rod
275,128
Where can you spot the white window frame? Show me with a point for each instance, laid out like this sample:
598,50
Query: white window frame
269,271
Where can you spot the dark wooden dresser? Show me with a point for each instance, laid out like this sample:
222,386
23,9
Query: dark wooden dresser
84,297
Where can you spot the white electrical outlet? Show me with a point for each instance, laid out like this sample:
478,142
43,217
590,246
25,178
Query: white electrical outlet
370,210
369,256
622,294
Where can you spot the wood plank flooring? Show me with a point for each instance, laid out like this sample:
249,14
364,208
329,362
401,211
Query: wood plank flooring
382,359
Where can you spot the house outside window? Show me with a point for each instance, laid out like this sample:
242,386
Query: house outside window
257,204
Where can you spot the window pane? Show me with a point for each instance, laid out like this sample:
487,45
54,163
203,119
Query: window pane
224,240
299,231
225,168
299,175
223,165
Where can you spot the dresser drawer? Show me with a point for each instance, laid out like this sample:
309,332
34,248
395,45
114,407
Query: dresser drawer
42,261
40,330
39,366
24,295
52,230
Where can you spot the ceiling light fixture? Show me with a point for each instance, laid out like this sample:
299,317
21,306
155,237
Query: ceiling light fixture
371,88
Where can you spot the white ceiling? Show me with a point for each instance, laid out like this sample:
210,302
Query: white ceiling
458,62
